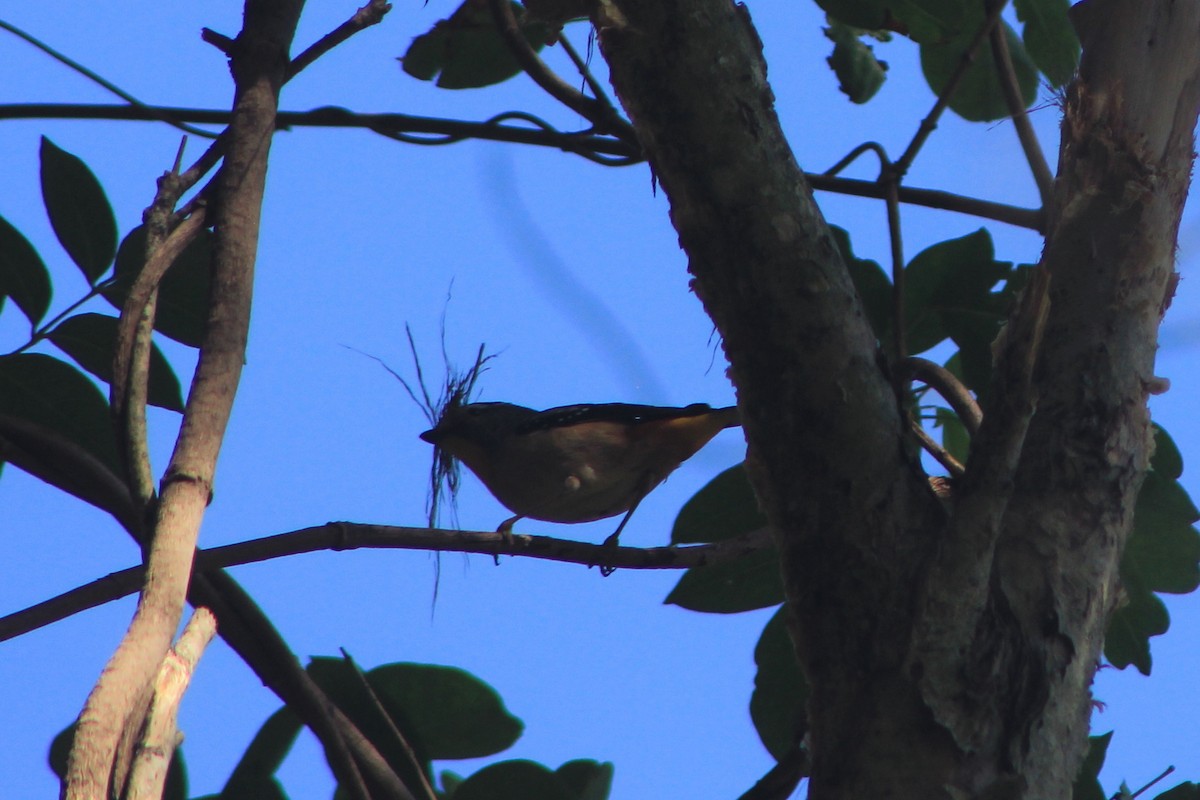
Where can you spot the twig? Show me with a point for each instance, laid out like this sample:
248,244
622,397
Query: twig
852,156
1145,788
1020,117
341,536
929,124
586,73
92,76
370,14
1031,218
939,453
594,110
398,737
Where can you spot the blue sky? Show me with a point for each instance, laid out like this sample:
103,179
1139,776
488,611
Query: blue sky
572,273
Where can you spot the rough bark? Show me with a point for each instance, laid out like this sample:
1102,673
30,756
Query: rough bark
918,692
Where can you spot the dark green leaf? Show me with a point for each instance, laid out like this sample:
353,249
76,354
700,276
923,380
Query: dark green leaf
780,690
50,393
979,96
862,14
874,287
859,72
1087,782
1050,38
1184,791
587,779
1166,460
254,776
182,310
445,713
23,275
79,211
466,50
955,438
1164,548
948,293
450,782
726,507
1142,615
744,584
514,780
175,787
90,339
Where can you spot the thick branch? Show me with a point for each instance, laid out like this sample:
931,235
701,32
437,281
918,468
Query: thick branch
258,67
827,438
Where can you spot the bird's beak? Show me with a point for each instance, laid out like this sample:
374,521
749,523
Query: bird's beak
433,436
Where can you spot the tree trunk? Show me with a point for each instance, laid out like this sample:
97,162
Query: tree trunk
950,649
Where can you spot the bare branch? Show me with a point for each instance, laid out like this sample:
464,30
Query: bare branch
596,111
339,536
1020,117
929,124
370,14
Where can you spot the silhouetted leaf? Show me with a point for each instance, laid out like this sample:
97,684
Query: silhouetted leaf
466,50
724,508
182,310
1166,460
1087,782
79,211
1141,616
955,439
587,779
780,690
859,72
1184,791
23,274
979,96
90,339
949,294
744,584
254,775
514,780
1049,38
443,712
51,393
1164,548
874,287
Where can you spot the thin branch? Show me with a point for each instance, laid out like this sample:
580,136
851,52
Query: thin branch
586,73
370,14
1020,117
398,738
952,390
929,124
1145,788
852,156
890,179
1031,218
603,116
139,296
339,536
939,453
95,78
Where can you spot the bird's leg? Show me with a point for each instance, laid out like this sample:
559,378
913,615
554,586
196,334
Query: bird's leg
613,541
506,534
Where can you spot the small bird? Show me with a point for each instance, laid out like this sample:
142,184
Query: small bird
575,463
